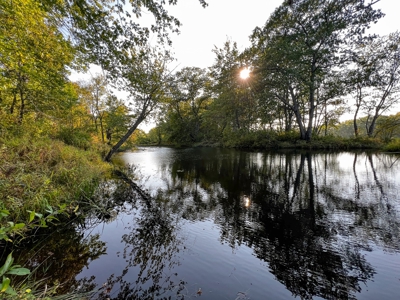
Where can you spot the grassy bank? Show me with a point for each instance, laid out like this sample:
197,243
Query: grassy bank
39,177
36,174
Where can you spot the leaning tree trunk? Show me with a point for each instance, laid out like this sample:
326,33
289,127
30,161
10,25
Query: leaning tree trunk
371,127
125,137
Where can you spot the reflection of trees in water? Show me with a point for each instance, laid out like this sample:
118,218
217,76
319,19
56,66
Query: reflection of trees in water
58,254
58,257
150,251
309,217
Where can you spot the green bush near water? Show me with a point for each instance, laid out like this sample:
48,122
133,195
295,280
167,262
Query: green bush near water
393,146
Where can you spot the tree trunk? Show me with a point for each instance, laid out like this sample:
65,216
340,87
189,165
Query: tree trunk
311,100
101,128
356,132
125,137
297,114
371,127
22,108
14,102
358,104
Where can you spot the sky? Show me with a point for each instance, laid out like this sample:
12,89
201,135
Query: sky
204,28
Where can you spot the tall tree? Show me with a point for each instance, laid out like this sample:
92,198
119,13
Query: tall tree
234,107
384,80
303,41
97,99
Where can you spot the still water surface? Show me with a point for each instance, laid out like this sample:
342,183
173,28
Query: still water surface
228,224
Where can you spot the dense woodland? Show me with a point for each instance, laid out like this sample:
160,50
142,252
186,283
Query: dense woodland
310,63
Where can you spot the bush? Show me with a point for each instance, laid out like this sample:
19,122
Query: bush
74,137
393,146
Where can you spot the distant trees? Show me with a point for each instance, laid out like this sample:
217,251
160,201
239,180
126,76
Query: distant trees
308,58
234,105
188,98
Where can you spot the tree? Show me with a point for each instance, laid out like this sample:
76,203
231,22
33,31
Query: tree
388,127
303,42
34,58
385,78
145,78
189,96
102,31
96,98
234,107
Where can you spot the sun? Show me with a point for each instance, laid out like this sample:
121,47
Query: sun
245,73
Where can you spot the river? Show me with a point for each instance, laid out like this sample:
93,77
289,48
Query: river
230,224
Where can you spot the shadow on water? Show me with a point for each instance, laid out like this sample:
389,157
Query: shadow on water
310,218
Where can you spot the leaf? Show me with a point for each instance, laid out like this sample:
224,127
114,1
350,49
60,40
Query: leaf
5,284
19,271
10,291
49,209
19,226
31,216
4,213
6,265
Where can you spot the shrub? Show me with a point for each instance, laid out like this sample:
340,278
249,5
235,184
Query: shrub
393,146
74,137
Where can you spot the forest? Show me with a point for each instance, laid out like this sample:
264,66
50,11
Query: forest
311,63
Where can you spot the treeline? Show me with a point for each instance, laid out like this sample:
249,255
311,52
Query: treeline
311,63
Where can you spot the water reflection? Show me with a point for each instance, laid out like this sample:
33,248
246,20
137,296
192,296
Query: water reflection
311,216
149,248
312,221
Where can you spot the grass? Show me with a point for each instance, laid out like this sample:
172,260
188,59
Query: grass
37,173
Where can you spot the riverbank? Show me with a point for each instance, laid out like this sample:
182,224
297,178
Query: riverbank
41,180
273,141
45,172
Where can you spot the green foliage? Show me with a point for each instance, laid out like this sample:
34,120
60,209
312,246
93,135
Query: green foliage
37,173
33,59
393,146
256,139
298,51
10,230
74,137
9,268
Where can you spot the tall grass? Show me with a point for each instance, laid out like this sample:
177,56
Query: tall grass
37,173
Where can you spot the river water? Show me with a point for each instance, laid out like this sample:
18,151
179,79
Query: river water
229,224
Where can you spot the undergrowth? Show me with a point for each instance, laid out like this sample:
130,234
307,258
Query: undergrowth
35,174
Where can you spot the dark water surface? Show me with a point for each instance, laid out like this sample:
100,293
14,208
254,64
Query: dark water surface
227,224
